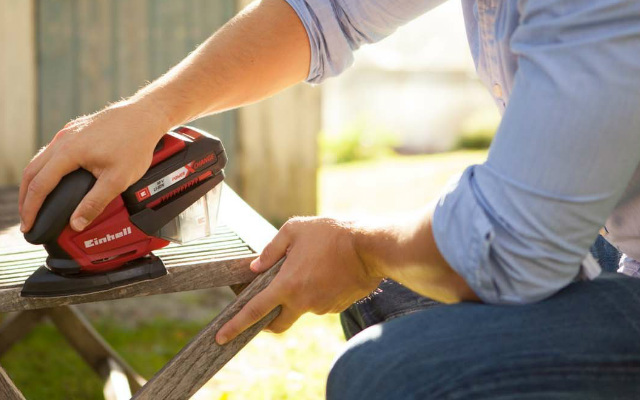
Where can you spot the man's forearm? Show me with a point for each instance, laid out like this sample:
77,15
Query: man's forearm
259,52
407,253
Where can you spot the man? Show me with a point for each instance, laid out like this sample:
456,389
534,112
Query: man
514,230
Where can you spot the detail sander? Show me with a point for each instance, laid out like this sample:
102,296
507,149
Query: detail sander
175,201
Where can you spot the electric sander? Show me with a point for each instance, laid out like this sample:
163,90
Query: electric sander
175,201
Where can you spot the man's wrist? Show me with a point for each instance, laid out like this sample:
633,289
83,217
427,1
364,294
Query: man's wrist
366,243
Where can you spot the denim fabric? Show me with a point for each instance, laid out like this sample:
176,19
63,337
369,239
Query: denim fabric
581,343
392,299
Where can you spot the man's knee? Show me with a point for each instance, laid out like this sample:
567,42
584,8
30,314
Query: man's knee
353,371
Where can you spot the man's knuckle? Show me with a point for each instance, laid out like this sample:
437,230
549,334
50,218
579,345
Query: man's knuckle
254,313
35,186
28,173
93,206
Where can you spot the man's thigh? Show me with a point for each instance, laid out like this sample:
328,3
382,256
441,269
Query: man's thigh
583,343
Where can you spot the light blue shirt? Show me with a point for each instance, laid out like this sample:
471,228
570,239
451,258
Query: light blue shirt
566,74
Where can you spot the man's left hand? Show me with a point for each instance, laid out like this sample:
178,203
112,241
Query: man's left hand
322,273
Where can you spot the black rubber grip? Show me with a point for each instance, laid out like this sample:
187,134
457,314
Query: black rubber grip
59,205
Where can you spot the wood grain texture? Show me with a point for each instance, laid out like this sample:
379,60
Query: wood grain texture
57,66
89,344
92,52
17,88
8,391
17,326
201,358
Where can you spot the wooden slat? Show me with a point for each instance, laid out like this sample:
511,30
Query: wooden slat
16,327
18,98
116,386
132,46
8,391
199,360
57,71
190,276
95,55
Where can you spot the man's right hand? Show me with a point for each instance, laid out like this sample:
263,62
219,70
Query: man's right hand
115,145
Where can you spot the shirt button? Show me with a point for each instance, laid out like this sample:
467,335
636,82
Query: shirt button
497,90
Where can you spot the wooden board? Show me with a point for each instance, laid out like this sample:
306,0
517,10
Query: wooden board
202,357
17,88
220,260
91,53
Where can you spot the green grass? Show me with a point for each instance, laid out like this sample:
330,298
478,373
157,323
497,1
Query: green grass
44,366
293,365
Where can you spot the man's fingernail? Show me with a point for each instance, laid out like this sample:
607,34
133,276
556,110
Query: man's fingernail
222,339
79,223
23,227
255,264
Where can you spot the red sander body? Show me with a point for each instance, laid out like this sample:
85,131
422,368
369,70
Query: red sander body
176,200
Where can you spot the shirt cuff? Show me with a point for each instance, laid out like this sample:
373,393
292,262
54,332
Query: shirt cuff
463,234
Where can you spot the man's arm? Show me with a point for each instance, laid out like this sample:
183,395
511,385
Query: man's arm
258,53
331,264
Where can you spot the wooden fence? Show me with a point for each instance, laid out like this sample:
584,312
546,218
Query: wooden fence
63,58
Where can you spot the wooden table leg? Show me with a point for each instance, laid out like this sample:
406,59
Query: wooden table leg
90,345
201,358
17,326
8,391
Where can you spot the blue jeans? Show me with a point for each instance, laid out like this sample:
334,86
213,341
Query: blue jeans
582,343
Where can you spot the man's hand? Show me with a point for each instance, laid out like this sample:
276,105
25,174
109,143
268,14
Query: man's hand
115,145
322,273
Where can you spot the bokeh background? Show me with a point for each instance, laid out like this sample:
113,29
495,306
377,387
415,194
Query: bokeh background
378,141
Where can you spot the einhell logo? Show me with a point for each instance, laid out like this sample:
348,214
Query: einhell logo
109,237
207,159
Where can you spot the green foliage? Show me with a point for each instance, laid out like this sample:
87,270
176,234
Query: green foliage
357,142
479,139
478,130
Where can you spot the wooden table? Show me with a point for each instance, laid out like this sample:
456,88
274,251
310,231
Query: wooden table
220,260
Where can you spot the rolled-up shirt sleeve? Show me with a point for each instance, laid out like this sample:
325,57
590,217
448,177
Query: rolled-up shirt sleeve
336,28
517,227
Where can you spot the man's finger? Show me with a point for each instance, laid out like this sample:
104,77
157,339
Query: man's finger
35,165
103,192
41,185
259,306
274,251
287,317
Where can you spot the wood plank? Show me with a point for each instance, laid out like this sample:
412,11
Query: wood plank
95,55
201,358
277,177
89,344
18,94
57,72
16,326
116,386
8,391
190,276
132,46
254,230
